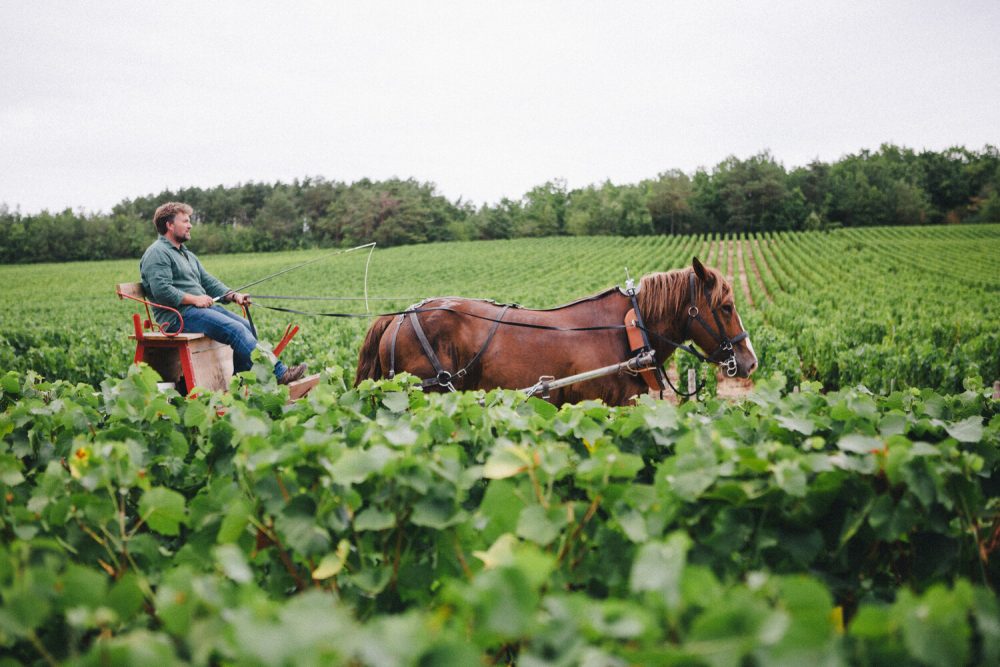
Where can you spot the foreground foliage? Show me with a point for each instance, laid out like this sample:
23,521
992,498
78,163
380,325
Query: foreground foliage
383,526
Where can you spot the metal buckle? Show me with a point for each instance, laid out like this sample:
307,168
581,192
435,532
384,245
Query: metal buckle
693,311
444,379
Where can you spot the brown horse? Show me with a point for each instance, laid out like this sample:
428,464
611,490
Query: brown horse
458,343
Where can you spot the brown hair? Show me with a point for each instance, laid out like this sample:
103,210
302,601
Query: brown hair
662,293
166,212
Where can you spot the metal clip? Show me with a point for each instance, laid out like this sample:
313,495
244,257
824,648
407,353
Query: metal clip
444,379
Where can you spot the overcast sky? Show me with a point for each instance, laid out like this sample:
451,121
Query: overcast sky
103,101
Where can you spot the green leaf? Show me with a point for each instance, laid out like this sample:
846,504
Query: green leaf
372,580
163,510
790,478
233,562
534,524
506,462
871,622
967,430
332,563
436,513
10,471
11,383
500,510
126,597
234,523
797,424
356,465
658,567
83,586
544,409
372,518
396,401
23,611
196,414
301,533
690,474
859,444
935,626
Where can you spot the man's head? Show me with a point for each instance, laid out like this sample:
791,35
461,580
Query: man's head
173,220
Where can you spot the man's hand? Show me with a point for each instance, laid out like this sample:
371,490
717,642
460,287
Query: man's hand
239,298
198,300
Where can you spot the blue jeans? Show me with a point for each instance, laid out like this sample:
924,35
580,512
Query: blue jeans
226,327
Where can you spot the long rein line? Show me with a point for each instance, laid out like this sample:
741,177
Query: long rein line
526,325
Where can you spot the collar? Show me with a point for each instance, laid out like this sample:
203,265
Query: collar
182,249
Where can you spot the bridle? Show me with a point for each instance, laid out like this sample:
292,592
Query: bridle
725,354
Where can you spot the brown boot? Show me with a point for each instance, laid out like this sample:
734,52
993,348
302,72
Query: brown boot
292,374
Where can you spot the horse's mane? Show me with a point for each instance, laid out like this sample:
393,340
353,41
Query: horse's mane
668,292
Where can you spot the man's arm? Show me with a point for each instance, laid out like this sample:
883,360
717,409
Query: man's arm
158,275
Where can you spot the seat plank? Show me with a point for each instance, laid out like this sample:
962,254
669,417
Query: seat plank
133,290
164,337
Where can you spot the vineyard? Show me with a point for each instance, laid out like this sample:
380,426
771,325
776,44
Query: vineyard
846,511
884,307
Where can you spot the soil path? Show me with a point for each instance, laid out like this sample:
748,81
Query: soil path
756,271
743,274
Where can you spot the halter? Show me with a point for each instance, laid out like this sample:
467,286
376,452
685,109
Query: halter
724,355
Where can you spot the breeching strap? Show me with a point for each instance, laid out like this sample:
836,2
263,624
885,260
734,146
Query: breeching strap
442,377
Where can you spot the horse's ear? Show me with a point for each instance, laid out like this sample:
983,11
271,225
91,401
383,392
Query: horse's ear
703,274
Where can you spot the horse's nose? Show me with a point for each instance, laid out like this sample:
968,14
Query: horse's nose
751,368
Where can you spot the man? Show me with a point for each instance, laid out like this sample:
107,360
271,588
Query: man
173,276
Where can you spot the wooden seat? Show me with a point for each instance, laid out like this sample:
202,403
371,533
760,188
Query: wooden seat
193,359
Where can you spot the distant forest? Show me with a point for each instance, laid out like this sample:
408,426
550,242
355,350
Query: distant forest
890,186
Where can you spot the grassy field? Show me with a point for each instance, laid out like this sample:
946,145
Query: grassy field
885,307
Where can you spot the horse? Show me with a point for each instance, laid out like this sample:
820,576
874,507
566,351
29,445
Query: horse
456,343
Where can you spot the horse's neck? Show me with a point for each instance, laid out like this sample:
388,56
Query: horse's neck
672,324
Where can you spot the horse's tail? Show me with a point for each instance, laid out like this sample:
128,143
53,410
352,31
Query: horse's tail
369,365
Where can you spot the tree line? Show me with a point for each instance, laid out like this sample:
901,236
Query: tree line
891,186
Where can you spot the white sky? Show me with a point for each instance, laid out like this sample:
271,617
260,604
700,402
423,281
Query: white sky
103,101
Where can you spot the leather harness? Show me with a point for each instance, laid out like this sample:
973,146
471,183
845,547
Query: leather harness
638,338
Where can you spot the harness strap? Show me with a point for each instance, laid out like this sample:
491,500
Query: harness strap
392,347
636,339
653,376
443,377
486,344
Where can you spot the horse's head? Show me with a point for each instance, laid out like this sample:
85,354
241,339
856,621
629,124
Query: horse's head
713,323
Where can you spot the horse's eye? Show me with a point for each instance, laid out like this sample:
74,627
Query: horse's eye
727,309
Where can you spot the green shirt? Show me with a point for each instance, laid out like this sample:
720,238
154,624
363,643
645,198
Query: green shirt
168,273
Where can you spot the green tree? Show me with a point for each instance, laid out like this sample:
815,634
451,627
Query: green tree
668,199
753,194
497,222
543,210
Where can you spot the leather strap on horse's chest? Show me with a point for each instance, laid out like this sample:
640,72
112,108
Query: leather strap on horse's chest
441,377
637,342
